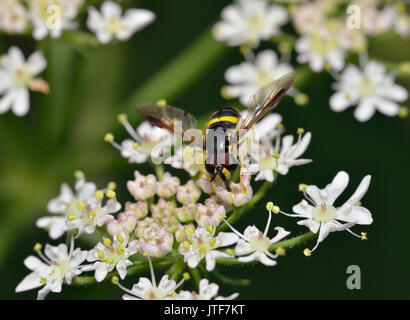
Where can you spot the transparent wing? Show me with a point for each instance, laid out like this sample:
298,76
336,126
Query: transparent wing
167,117
265,99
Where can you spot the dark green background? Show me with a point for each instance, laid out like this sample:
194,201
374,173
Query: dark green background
64,132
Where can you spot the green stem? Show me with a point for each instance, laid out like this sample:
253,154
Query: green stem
231,281
240,211
159,170
196,277
176,270
282,244
138,267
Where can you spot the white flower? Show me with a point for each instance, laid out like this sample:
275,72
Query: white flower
204,245
370,89
308,17
51,17
248,22
249,76
280,158
110,255
95,214
110,23
13,17
210,214
147,289
67,206
147,140
320,214
142,187
168,186
375,21
55,267
253,245
322,48
207,291
187,157
240,193
17,76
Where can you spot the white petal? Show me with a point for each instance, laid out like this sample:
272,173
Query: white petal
5,102
243,247
122,267
311,224
263,258
208,290
386,107
282,233
356,214
251,257
35,264
303,208
396,93
360,191
43,293
21,102
140,288
166,285
338,102
336,187
111,9
36,63
210,262
100,271
364,111
31,281
227,238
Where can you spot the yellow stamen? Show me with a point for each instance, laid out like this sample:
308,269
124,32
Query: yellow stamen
81,206
364,235
100,254
109,137
161,102
112,185
302,187
37,247
307,252
115,280
110,194
403,112
99,195
107,242
186,276
122,117
186,245
302,99
78,174
280,251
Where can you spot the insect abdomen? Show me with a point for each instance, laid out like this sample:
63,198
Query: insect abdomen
226,118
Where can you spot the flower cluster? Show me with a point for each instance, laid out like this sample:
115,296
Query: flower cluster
172,223
51,17
327,35
188,224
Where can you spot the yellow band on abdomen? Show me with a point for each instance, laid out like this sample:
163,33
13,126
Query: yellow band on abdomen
231,119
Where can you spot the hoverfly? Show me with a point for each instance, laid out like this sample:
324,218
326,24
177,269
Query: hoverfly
217,144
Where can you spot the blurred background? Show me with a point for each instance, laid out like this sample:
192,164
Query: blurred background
177,59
